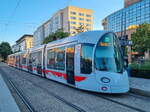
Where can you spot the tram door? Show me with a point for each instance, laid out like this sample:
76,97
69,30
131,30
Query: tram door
39,62
70,52
30,64
19,61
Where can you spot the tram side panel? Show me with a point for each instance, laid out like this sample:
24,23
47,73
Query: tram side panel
35,62
71,74
55,63
24,61
85,76
14,61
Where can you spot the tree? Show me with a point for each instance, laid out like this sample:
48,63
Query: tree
81,28
5,50
141,38
59,34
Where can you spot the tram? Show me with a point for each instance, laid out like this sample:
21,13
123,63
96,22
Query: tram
90,61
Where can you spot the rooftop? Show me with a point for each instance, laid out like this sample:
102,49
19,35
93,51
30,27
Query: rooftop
24,36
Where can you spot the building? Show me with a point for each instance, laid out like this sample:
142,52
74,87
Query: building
38,35
130,2
67,19
125,20
135,14
15,48
23,43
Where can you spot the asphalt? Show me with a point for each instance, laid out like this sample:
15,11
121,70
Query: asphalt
7,102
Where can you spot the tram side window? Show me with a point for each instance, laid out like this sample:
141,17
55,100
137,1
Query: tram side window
39,58
36,58
33,58
17,59
86,58
56,58
60,58
51,58
23,60
30,59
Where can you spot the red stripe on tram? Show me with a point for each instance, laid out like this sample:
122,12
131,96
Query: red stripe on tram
58,74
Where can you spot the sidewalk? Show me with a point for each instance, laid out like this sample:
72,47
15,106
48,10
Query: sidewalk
140,86
7,103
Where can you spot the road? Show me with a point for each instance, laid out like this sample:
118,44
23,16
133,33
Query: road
44,95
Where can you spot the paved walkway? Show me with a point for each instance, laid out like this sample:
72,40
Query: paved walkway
140,86
7,103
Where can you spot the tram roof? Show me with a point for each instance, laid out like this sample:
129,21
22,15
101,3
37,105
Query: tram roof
84,37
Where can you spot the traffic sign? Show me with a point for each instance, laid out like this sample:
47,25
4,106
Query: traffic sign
126,42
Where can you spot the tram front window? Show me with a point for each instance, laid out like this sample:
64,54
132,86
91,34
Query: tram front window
108,54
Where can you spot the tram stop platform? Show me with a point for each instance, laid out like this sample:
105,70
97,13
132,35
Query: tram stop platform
7,102
140,86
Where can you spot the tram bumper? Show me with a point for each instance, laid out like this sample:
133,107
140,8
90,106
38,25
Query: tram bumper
120,89
118,83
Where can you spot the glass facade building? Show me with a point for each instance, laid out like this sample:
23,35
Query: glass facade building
134,14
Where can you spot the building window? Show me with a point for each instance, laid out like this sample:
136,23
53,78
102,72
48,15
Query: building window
81,19
86,58
81,23
88,24
73,17
88,20
72,22
81,14
88,15
56,58
73,27
73,13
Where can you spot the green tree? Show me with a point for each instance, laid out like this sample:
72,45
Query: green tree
59,34
5,50
81,28
141,38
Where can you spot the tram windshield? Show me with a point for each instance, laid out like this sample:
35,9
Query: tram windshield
108,55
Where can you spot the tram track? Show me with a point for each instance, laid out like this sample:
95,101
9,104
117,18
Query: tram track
105,97
81,110
26,102
120,103
139,96
18,92
60,98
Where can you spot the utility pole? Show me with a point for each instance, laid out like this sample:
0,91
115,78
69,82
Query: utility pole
123,35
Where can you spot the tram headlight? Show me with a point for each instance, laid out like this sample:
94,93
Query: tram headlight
105,80
104,88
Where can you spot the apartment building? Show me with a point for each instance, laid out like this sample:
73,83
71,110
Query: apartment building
68,19
23,43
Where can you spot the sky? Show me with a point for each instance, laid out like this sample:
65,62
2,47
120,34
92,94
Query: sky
19,17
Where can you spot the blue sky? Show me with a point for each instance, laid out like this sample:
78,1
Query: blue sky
18,17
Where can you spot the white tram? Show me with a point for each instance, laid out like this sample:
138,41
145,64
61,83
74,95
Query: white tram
90,61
